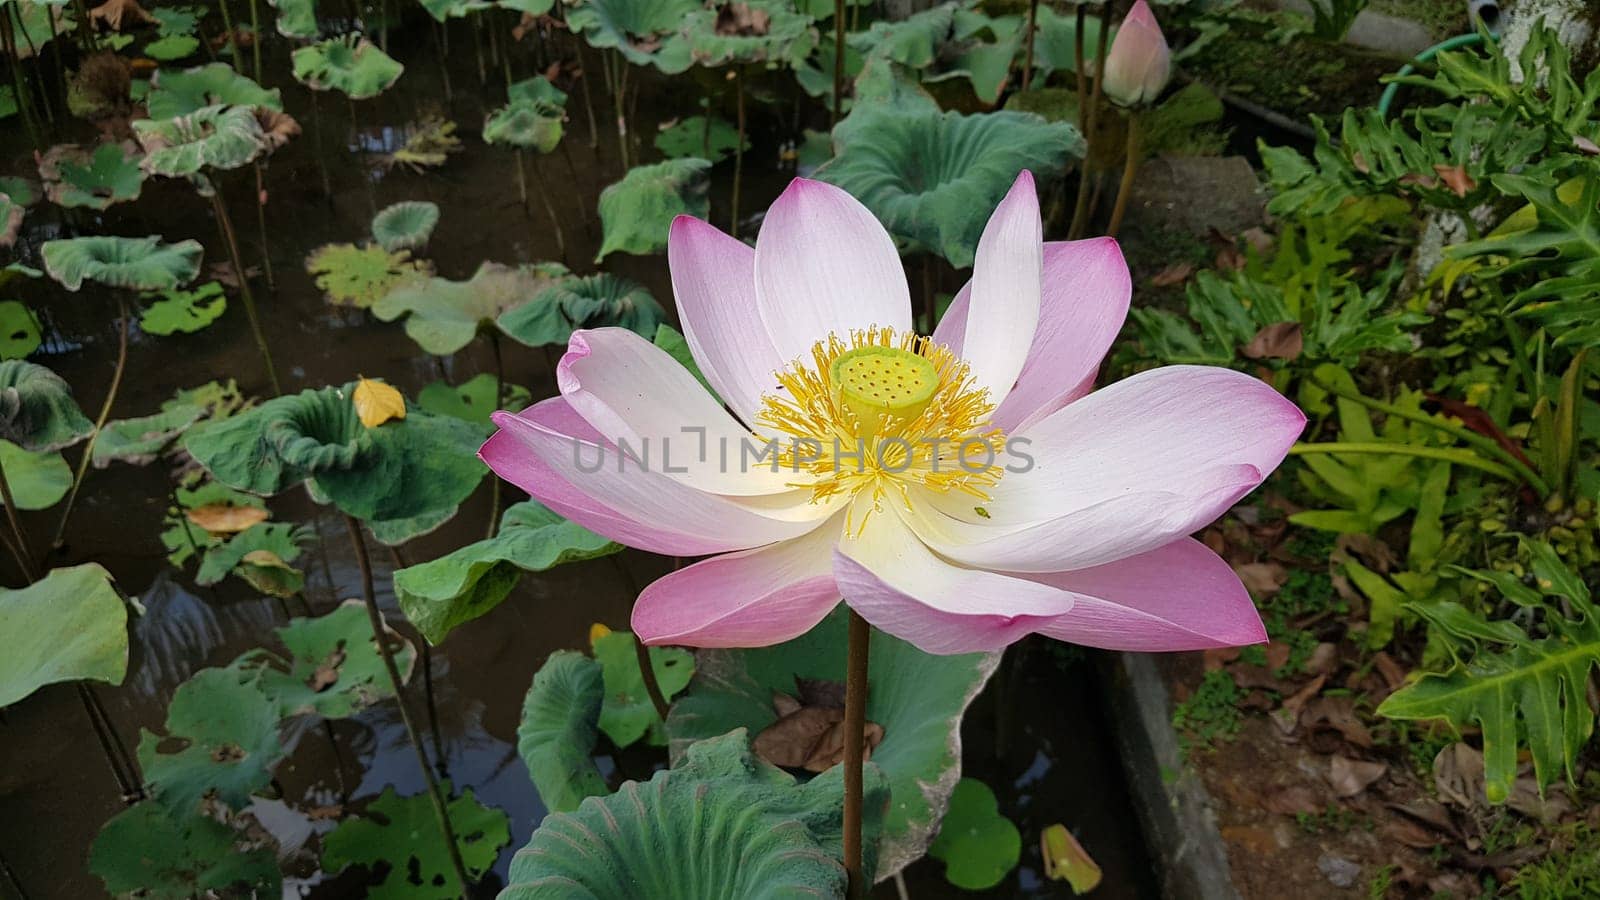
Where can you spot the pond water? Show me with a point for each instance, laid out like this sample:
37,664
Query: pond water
1040,740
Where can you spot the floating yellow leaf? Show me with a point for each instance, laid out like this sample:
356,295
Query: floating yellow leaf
596,632
377,403
225,518
1066,860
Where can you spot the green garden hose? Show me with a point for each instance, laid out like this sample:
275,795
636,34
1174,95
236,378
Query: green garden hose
1460,40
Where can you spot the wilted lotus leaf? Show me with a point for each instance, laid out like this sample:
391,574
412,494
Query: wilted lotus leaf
590,301
226,518
38,478
645,32
296,18
391,834
532,117
428,145
933,177
750,31
185,311
158,854
20,333
181,93
140,440
69,625
116,13
77,177
406,225
917,698
456,588
350,64
721,824
137,264
913,41
228,731
636,212
37,411
101,87
334,669
443,316
361,276
475,400
219,137
529,8
559,727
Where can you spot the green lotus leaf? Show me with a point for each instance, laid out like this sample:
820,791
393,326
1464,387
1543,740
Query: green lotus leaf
351,64
453,9
918,698
172,47
559,727
473,401
139,441
172,20
443,316
38,478
217,137
137,264
185,311
334,668
69,625
182,93
403,833
643,31
723,824
21,191
281,539
296,18
152,852
75,177
636,212
525,124
913,41
629,713
590,301
406,225
1055,49
978,845
694,137
934,177
20,332
535,8
37,411
426,465
11,213
228,732
276,445
441,594
361,276
184,539
748,32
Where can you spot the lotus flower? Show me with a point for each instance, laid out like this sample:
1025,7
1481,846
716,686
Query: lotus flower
1139,62
998,497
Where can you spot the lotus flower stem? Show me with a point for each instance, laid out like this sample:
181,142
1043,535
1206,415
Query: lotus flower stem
17,555
85,27
322,164
1027,53
838,59
1130,168
499,400
441,762
540,188
261,226
588,101
44,93
1080,211
383,27
233,36
522,182
20,551
855,725
1080,22
19,85
229,236
444,67
477,49
255,38
375,618
99,423
619,96
738,148
123,768
641,653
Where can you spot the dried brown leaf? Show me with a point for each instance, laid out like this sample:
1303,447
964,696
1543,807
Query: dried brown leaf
225,518
1280,340
1349,777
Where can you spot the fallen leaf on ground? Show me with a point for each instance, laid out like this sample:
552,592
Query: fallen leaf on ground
1393,673
1217,657
225,518
1280,340
1349,777
1429,812
1262,579
1293,800
808,737
1375,554
1458,775
1324,659
1455,178
1297,701
1175,274
1338,714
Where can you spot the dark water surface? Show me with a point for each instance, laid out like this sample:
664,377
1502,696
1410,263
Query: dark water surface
1054,763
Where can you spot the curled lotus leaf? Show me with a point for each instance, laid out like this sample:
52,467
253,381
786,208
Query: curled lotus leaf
67,626
187,91
637,212
138,264
528,126
559,727
350,64
913,41
296,18
11,213
37,411
361,276
589,301
406,225
721,824
443,316
217,137
278,444
750,31
645,32
931,177
77,177
38,478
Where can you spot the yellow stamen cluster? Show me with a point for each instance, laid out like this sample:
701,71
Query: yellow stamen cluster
881,412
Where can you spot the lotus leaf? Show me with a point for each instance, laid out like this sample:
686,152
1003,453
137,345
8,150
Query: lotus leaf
527,124
403,833
185,311
693,136
37,411
182,93
334,668
749,32
723,824
139,441
137,264
636,212
281,539
11,213
38,478
978,845
218,137
629,713
176,20
535,8
21,191
296,18
917,698
933,177
913,41
350,64
473,401
590,301
559,728
454,9
75,177
8,101
229,735
441,594
406,225
643,31
67,626
181,538
20,333
361,276
172,47
159,854
443,316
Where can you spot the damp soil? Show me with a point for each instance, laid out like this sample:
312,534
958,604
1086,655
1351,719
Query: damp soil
1038,736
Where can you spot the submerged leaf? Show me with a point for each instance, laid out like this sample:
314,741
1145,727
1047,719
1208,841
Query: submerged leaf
636,212
406,225
696,136
137,264
334,668
559,728
69,625
350,64
403,833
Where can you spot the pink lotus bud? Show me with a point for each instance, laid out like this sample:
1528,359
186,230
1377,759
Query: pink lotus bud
1139,64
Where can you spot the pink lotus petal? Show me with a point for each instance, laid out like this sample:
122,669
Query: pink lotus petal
636,395
1179,596
753,598
825,266
1005,290
714,283
540,450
